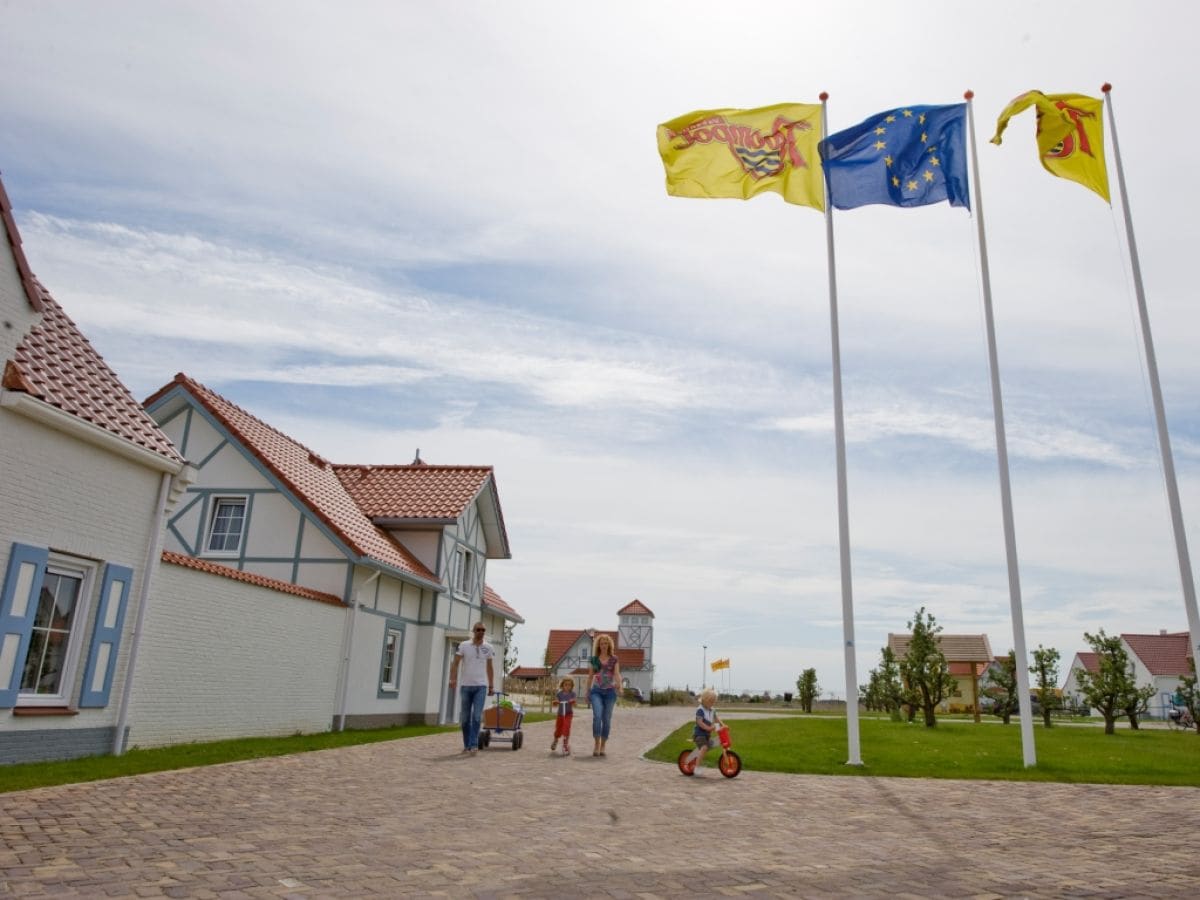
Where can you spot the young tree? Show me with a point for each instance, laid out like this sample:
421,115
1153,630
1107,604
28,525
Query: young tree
924,668
1045,672
1002,687
1188,695
891,688
1110,688
808,689
510,649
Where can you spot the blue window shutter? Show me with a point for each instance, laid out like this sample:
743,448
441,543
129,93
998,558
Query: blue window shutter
106,638
18,604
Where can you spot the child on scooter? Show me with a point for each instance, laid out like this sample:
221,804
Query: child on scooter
564,712
707,722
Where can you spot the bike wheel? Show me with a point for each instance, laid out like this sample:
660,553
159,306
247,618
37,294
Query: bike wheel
686,765
730,764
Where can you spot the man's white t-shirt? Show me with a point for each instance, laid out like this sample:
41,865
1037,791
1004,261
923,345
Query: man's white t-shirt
474,663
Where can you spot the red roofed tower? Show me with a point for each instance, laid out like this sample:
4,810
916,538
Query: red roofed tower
636,630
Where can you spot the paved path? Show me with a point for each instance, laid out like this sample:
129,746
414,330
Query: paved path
412,817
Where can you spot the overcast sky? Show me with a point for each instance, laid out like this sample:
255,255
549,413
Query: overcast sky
389,226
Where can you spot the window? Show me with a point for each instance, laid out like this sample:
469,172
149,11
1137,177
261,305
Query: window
461,576
227,524
389,669
54,638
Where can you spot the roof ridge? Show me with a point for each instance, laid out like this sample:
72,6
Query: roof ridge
416,467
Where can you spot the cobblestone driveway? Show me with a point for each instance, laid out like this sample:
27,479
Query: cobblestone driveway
413,817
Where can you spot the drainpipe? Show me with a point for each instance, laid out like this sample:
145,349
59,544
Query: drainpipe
153,549
352,617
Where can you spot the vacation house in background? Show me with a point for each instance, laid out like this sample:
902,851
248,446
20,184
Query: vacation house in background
1159,659
569,651
968,657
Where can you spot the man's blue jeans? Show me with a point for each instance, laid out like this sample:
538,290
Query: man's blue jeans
471,698
603,704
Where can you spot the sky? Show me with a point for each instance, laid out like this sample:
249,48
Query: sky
392,227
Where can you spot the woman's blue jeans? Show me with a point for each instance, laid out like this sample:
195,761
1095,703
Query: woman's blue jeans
603,703
471,698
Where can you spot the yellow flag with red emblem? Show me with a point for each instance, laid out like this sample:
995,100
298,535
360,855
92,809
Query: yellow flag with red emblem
741,153
1070,136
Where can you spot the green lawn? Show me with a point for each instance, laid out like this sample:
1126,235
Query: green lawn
183,756
817,746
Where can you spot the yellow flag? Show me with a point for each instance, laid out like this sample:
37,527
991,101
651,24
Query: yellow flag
1070,136
740,153
718,664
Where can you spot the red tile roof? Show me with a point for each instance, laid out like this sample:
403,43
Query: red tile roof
309,477
496,602
636,608
56,364
560,641
529,672
1089,660
964,668
955,647
1162,654
212,568
630,658
418,491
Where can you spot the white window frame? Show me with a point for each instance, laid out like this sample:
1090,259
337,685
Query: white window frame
392,660
214,507
85,571
462,573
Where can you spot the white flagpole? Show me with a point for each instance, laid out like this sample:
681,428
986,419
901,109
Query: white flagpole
1160,415
843,516
1010,540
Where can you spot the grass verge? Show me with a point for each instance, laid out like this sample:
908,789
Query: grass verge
817,746
24,776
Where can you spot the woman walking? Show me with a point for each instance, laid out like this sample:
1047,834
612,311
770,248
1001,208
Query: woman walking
602,690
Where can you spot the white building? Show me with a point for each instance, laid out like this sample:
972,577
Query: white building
292,594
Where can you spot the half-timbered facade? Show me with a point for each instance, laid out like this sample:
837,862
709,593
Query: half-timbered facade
405,548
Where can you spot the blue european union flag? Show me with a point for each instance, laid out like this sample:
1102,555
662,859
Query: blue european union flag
912,156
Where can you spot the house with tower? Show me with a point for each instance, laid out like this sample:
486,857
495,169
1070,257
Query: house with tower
569,651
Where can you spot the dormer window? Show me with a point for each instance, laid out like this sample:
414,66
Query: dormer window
227,525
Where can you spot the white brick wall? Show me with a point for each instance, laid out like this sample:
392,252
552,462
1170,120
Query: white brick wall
221,658
60,493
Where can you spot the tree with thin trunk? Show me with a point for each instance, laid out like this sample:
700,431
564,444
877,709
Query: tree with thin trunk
1110,687
1137,704
891,688
1045,672
510,649
924,667
808,689
1002,687
1187,695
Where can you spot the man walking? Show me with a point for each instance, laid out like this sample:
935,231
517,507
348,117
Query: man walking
477,677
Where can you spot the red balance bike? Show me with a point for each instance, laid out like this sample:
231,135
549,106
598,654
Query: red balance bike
729,764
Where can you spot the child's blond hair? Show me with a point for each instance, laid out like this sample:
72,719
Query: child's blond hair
708,697
567,684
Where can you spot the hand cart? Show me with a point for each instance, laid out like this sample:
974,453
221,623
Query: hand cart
498,719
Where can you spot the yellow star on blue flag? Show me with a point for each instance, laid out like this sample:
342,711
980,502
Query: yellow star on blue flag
911,156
